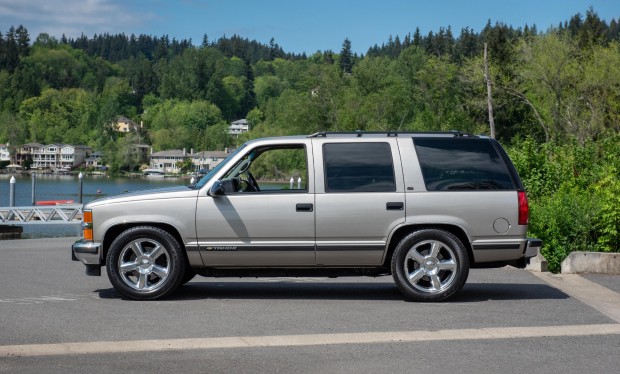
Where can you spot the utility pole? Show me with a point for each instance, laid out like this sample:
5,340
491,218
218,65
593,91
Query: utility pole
487,79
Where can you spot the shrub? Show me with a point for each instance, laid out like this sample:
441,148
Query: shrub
566,222
574,193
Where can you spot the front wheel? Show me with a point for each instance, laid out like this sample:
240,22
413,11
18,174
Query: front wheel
430,265
146,263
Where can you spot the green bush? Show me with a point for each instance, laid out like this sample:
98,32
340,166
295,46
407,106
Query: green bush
565,221
608,220
574,194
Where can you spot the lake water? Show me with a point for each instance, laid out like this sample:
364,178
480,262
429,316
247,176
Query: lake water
66,187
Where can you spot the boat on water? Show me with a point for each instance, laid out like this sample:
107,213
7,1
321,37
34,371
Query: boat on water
54,202
154,173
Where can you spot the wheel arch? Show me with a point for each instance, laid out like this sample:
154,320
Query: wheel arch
403,231
114,231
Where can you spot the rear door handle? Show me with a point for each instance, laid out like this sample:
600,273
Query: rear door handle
394,206
304,207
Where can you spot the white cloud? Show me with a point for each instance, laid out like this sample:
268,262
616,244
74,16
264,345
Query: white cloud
70,17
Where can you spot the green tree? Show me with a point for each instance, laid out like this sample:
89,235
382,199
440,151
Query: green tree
61,116
177,124
346,57
267,87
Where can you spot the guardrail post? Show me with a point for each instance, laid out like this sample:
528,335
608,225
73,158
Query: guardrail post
34,187
12,192
81,178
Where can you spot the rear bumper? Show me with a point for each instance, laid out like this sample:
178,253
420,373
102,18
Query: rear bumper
89,253
507,250
532,247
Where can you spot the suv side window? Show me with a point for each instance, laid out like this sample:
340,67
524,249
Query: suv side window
450,164
358,167
269,169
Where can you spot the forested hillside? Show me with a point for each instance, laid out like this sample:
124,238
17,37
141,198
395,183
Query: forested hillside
556,100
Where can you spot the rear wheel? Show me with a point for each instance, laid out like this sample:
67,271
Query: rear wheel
146,263
430,265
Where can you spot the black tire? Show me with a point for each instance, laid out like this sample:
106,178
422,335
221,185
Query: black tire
146,263
430,265
189,275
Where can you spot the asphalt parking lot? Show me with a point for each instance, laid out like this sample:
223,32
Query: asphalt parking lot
56,319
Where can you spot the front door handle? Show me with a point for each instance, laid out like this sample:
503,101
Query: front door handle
394,206
304,207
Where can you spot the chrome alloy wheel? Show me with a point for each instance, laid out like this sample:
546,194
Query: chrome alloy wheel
144,264
430,266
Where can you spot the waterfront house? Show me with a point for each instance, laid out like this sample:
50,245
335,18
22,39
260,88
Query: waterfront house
5,155
204,160
53,156
73,155
23,154
167,160
94,160
207,160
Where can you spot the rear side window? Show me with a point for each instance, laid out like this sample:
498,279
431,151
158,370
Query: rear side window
450,164
358,167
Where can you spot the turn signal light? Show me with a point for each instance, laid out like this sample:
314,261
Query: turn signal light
87,225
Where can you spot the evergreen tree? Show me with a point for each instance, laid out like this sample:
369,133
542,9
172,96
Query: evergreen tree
592,32
417,37
346,59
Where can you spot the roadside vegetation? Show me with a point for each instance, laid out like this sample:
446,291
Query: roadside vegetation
556,99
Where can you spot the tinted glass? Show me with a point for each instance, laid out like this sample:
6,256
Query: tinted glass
450,164
358,167
269,169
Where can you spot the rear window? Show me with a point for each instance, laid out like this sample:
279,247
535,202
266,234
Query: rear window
358,167
450,164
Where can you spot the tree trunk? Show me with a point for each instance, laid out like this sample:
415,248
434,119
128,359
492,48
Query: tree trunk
487,79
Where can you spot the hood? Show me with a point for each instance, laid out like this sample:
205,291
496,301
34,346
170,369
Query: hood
154,194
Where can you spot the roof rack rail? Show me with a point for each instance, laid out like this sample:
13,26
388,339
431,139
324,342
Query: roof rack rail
359,134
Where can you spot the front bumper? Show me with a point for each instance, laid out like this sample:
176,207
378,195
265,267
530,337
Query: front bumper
87,252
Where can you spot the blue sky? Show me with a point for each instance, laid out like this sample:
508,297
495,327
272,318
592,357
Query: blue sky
296,25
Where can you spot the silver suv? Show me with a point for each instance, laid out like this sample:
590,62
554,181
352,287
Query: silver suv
423,207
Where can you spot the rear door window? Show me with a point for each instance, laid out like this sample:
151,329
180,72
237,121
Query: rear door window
358,167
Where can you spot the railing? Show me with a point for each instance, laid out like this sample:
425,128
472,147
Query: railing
60,214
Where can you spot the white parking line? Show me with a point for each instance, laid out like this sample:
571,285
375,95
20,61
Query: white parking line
305,340
48,299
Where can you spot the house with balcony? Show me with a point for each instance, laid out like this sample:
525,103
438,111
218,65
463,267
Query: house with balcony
55,156
24,153
73,155
167,160
238,127
207,160
94,160
46,157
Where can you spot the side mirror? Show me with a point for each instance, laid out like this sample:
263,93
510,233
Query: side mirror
216,189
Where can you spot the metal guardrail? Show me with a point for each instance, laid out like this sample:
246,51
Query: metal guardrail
59,214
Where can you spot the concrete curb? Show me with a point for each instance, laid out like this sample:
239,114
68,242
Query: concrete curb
537,263
591,262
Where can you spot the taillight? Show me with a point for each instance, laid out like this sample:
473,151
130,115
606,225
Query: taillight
524,209
87,225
